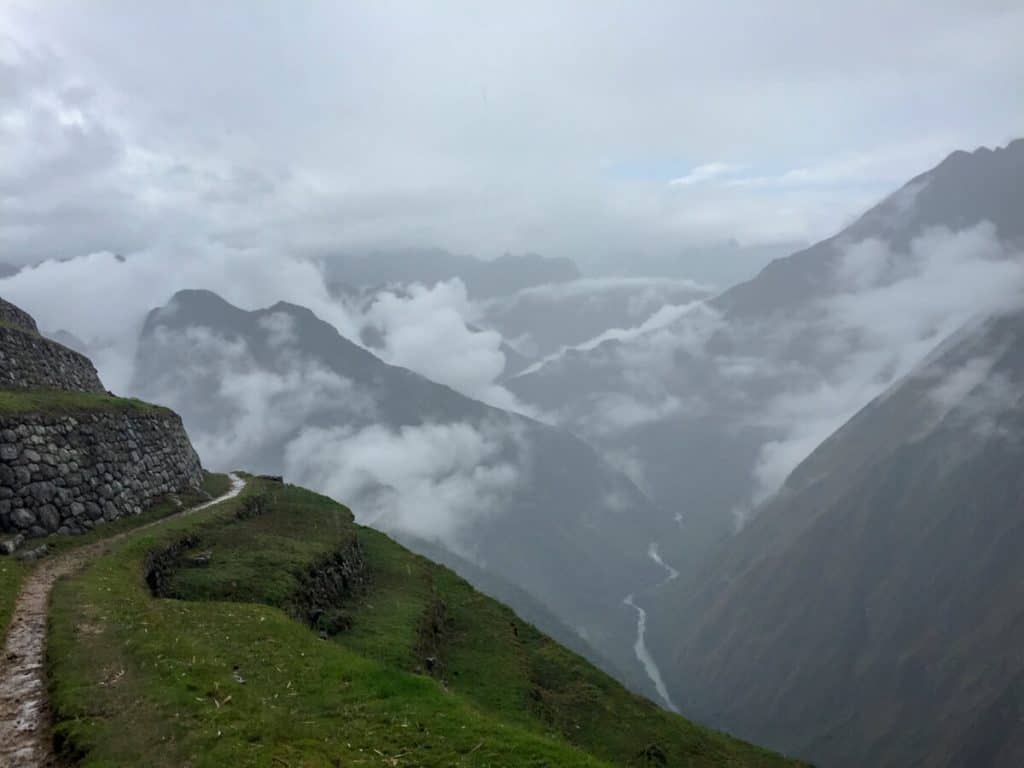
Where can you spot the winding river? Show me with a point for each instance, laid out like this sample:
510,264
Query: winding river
643,655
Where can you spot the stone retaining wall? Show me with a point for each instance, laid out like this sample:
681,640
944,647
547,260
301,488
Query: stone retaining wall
12,315
30,361
326,587
69,473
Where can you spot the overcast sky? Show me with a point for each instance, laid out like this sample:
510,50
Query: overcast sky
573,128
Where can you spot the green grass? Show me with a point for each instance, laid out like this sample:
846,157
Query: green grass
64,402
140,680
20,329
14,571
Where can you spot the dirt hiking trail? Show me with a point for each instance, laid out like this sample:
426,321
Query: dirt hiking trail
24,711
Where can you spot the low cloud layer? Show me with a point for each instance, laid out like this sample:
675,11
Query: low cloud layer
245,409
979,395
426,329
660,319
776,388
549,319
103,299
429,481
894,308
433,481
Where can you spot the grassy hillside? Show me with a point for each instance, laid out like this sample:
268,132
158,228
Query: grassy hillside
265,660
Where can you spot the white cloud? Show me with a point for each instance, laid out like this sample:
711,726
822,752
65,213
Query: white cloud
616,411
894,163
798,379
954,388
104,299
426,330
454,144
706,172
978,395
986,406
280,328
863,265
247,408
595,286
896,307
632,467
430,481
662,318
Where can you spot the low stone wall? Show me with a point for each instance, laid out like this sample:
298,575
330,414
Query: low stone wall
326,587
12,315
69,473
30,361
161,564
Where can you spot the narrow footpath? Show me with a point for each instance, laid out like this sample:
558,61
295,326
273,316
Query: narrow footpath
24,711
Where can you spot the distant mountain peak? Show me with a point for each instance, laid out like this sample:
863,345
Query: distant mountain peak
962,191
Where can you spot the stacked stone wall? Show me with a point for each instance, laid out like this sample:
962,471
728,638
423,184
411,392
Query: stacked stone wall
67,473
12,315
30,361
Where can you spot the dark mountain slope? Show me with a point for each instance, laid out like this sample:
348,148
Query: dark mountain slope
873,613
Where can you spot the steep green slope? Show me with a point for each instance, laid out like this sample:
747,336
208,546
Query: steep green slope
299,638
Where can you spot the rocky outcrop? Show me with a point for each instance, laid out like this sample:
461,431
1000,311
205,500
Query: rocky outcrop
30,361
67,473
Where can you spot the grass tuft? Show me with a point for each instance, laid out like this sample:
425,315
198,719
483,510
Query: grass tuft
54,401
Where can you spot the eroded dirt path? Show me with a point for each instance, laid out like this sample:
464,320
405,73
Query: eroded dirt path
24,713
